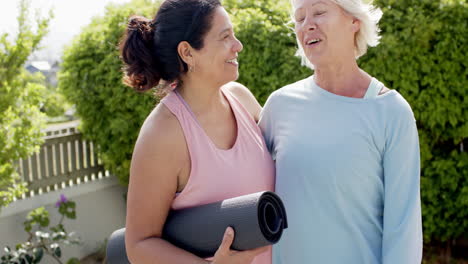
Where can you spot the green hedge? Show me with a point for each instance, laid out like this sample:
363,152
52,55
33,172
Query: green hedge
423,54
267,61
91,77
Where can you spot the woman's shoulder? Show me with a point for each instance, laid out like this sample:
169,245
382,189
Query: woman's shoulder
245,97
392,98
293,89
288,91
161,131
396,107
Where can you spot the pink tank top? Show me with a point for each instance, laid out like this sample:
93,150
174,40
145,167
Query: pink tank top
218,174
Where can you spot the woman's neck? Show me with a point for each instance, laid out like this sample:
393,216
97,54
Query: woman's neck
345,79
202,96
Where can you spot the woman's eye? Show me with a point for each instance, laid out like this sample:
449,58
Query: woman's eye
226,36
319,13
300,19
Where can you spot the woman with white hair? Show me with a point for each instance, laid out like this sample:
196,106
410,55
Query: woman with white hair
346,148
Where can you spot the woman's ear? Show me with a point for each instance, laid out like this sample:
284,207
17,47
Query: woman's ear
185,52
356,25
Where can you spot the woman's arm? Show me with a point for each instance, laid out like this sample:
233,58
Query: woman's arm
159,156
402,227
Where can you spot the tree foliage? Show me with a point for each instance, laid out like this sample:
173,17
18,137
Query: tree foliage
20,99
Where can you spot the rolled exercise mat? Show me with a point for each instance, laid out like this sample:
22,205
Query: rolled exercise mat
116,253
258,220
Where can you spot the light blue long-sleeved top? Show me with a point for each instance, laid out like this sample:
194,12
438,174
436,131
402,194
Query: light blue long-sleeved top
348,172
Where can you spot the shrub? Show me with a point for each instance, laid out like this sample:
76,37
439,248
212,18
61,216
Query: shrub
424,55
55,104
267,61
91,78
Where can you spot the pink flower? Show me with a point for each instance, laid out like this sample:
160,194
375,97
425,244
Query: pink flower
61,201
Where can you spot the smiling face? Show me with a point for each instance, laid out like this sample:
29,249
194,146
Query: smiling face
217,60
324,30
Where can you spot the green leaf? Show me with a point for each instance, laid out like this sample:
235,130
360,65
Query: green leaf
58,252
39,216
28,259
38,254
73,261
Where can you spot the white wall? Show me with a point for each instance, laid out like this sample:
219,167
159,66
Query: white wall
100,209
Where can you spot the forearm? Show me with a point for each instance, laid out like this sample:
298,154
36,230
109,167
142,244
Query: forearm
403,244
159,251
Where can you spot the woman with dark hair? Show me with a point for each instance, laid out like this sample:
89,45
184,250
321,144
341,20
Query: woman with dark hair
201,143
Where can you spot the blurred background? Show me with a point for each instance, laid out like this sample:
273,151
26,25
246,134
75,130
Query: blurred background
68,124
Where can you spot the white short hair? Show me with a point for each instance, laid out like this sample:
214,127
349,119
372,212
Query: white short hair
368,34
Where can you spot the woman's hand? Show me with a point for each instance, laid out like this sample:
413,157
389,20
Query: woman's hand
224,254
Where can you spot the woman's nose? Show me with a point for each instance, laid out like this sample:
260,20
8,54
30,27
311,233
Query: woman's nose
238,45
310,25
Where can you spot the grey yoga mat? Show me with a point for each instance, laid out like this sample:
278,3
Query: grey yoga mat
258,220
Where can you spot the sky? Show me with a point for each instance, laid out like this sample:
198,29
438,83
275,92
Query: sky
69,17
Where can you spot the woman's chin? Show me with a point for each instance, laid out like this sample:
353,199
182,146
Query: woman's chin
234,77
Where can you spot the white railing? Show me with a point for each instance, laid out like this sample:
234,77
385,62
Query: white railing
65,159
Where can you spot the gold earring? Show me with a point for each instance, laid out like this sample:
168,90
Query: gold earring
190,68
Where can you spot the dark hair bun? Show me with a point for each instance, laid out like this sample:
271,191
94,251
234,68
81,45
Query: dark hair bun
140,67
142,25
